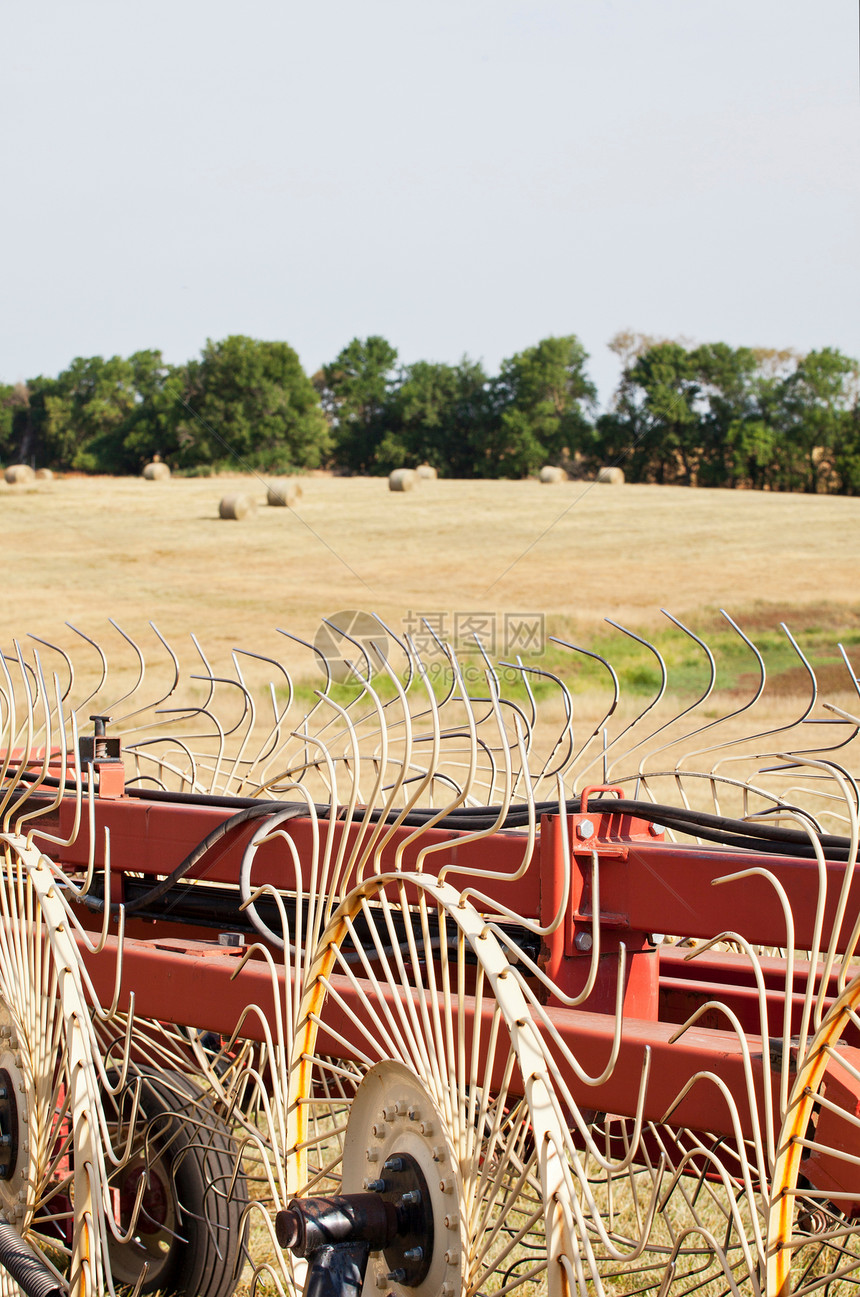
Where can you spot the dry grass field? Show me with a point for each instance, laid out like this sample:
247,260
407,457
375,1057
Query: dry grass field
85,549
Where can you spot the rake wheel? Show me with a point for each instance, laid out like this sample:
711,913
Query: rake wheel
185,1223
52,1169
442,1072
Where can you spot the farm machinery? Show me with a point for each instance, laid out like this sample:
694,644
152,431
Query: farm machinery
408,991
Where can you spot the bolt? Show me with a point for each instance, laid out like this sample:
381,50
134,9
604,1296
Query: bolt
414,1114
439,1153
585,829
413,1254
452,1256
426,1128
389,1112
5,1031
379,1129
393,1164
446,1186
381,1279
411,1198
4,1093
375,1186
447,1290
655,830
372,1154
398,1275
583,941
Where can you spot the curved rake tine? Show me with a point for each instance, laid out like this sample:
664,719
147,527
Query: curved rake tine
279,716
323,693
739,711
247,705
356,643
567,729
403,645
654,701
66,659
446,651
616,688
210,672
790,725
851,671
692,707
141,665
156,702
80,707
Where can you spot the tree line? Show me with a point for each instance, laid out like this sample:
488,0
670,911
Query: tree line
706,415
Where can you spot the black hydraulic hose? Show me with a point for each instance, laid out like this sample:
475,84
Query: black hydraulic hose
159,890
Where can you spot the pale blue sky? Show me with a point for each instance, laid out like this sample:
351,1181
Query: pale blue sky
462,176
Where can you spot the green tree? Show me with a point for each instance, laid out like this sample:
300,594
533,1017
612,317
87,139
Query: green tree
734,439
543,400
356,391
813,412
68,414
14,417
248,401
655,424
439,415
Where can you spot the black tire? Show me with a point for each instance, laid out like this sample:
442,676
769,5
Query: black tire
188,1231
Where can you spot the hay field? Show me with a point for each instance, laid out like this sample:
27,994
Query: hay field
84,549
87,549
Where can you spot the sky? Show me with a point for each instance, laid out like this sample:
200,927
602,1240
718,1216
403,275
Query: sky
464,177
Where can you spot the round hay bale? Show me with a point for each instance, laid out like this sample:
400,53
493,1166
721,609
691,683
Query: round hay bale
549,475
611,476
402,479
237,506
283,493
18,473
157,471
426,471
44,475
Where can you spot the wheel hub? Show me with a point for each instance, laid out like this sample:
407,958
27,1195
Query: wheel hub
14,1142
397,1144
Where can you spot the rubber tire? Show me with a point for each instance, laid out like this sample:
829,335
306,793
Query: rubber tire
198,1151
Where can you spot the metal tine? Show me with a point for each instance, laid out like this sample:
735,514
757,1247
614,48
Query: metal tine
422,781
273,739
28,755
445,650
575,648
567,729
188,777
34,691
380,718
199,711
7,809
654,702
687,710
66,659
104,666
156,702
460,792
790,725
141,668
604,754
210,673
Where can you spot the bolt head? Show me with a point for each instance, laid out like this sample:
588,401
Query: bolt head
583,941
375,1186
585,829
656,830
411,1197
413,1254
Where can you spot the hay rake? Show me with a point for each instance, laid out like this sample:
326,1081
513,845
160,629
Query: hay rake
402,993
